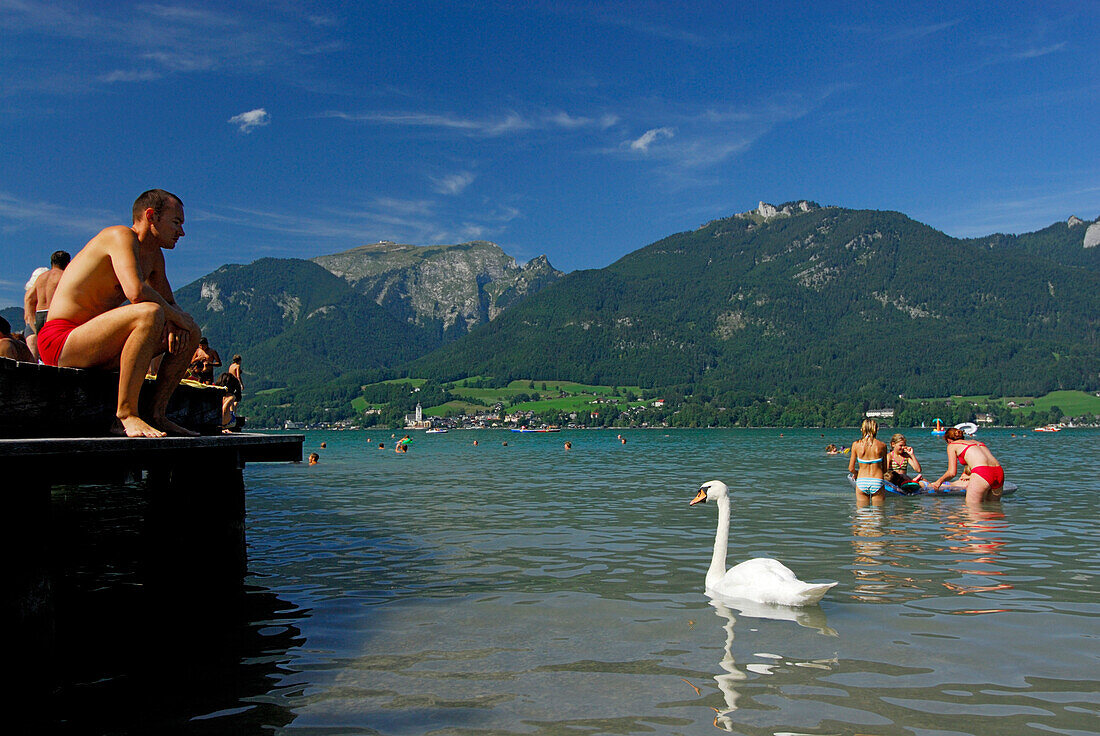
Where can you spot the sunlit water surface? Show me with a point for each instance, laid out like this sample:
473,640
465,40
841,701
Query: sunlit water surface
524,589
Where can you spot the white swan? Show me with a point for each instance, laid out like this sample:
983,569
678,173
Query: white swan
762,580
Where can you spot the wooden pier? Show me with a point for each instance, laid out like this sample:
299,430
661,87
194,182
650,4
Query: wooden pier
192,488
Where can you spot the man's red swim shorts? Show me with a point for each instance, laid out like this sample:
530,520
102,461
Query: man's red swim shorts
52,337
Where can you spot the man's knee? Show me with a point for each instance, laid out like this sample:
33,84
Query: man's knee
149,314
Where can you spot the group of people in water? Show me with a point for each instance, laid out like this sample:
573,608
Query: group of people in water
873,464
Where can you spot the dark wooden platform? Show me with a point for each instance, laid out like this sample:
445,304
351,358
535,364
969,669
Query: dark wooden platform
79,460
54,425
47,401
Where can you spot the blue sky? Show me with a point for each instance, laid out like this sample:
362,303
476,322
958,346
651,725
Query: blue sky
582,131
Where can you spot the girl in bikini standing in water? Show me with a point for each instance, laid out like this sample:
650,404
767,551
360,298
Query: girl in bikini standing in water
987,477
869,454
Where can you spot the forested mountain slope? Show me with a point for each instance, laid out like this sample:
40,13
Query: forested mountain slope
809,300
297,323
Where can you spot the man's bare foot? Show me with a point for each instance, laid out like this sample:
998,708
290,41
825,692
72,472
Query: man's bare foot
135,427
172,428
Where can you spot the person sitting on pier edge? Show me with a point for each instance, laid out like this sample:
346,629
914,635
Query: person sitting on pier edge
90,325
203,363
12,348
36,300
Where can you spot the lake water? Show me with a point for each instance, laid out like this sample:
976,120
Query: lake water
523,589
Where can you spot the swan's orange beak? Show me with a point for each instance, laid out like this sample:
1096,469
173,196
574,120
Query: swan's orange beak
700,497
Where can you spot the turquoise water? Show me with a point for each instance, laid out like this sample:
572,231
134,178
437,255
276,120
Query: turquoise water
525,589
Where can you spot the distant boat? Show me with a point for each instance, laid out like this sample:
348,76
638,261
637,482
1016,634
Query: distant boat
1049,428
525,429
435,431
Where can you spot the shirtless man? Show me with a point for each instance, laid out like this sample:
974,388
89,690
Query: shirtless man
36,303
203,363
90,325
10,347
234,370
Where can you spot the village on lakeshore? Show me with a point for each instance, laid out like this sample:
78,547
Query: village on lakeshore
553,405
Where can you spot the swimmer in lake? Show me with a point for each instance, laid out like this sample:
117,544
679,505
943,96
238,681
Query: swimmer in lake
868,465
900,458
314,458
987,477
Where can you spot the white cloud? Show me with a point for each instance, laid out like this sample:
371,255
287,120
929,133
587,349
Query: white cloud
649,137
565,120
919,32
1034,53
415,221
130,76
487,127
21,214
246,121
224,39
453,184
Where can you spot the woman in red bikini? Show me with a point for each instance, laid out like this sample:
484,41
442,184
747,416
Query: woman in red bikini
987,477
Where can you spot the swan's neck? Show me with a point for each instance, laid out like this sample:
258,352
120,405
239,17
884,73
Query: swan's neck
718,558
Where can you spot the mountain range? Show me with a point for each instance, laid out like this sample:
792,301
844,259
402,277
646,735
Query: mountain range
810,300
795,298
369,308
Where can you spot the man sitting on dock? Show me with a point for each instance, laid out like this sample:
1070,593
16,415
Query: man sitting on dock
90,325
10,347
36,302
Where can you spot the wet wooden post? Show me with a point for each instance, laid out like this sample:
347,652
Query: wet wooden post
194,524
54,425
26,592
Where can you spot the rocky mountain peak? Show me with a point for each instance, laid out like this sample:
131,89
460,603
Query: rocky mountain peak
455,287
765,211
1074,221
1092,235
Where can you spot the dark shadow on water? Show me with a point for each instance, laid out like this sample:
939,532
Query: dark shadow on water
133,646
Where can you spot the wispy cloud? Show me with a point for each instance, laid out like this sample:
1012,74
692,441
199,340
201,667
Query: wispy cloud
21,214
507,123
136,47
453,183
920,31
246,122
490,127
643,142
693,138
1034,53
1018,212
146,75
565,120
416,221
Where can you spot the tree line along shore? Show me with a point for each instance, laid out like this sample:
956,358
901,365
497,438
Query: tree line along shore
479,401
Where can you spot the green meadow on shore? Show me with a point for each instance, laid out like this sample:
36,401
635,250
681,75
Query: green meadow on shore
555,401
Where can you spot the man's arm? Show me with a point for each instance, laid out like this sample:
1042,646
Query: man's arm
157,279
123,250
30,305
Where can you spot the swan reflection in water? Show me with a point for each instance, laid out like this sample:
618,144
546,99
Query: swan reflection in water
811,617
